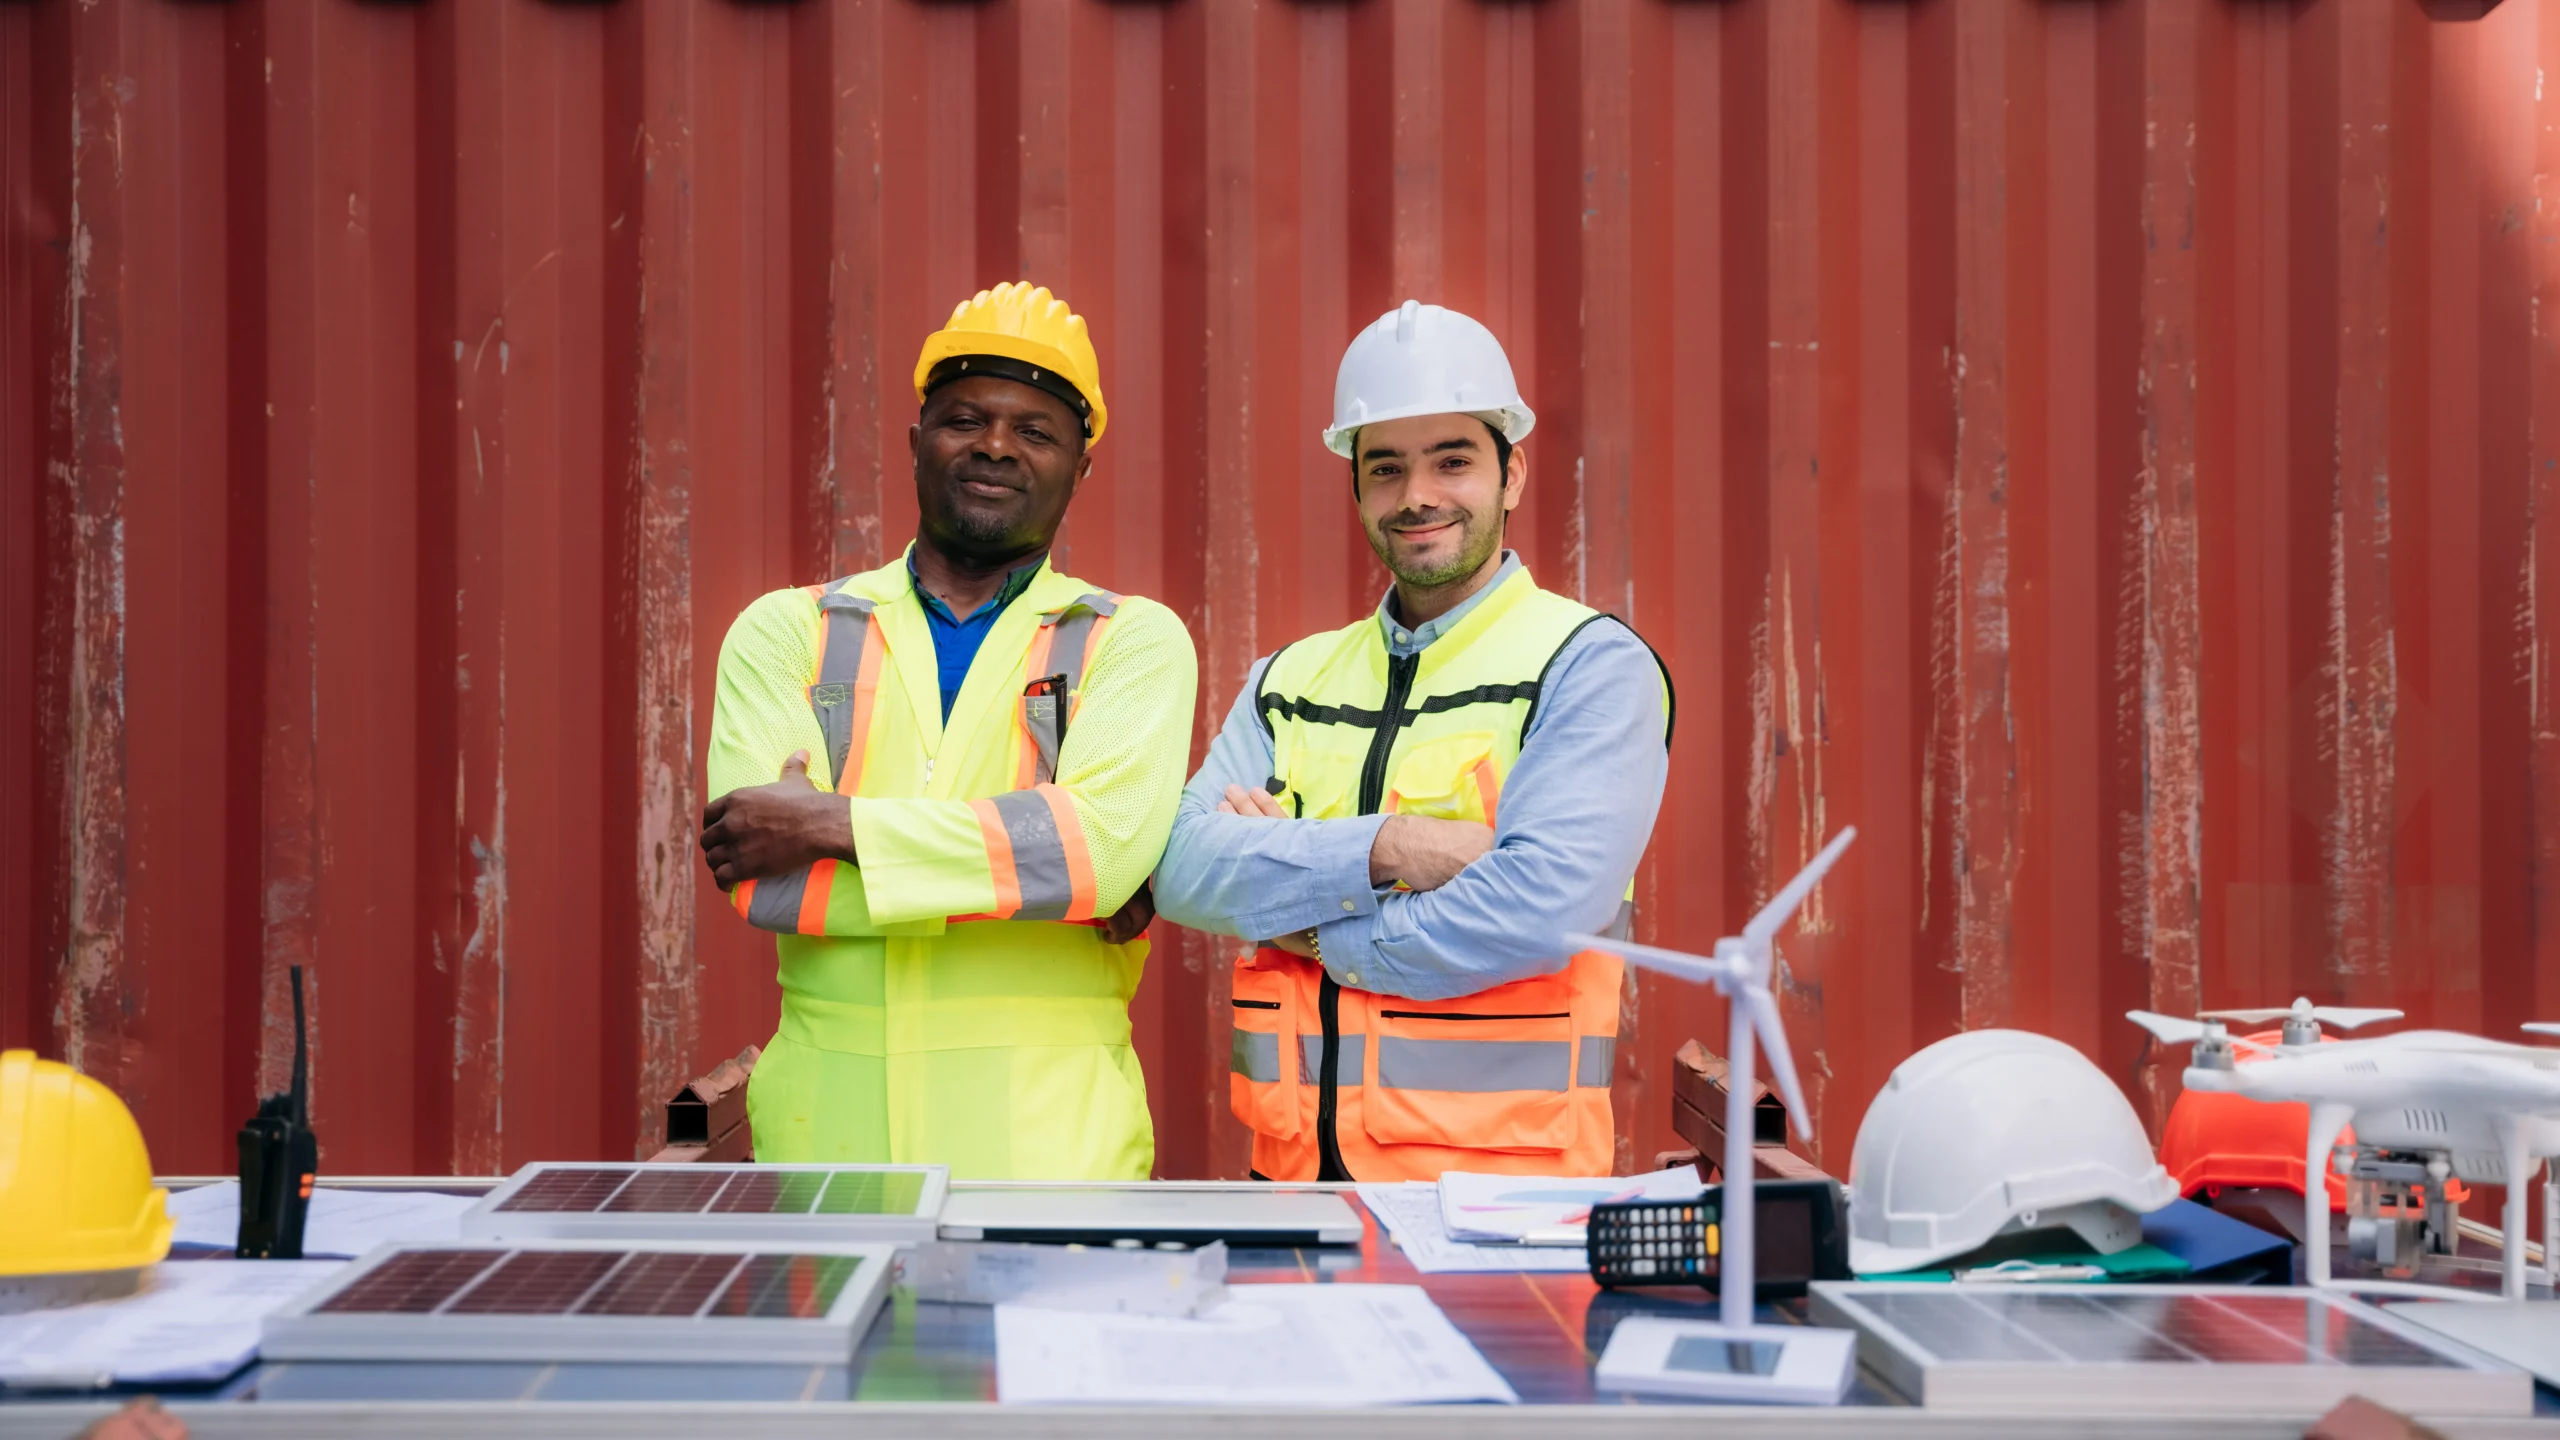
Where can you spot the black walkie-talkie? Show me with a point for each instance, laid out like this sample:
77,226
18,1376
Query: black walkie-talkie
279,1157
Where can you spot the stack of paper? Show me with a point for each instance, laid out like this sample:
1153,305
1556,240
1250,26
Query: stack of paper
194,1320
1541,1210
1410,1211
1266,1345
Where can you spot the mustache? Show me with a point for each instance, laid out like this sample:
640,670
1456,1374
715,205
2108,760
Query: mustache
985,474
1427,518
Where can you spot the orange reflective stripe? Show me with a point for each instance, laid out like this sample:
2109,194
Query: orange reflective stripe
1488,786
866,690
1075,679
1036,714
999,859
793,904
1036,855
813,898
1079,861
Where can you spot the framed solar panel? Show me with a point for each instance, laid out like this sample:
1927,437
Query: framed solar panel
563,1301
831,1204
2137,1349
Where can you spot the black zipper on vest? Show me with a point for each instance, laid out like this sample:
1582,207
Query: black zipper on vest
1373,793
1461,1015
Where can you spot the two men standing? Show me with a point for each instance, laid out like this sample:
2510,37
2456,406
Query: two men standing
1405,813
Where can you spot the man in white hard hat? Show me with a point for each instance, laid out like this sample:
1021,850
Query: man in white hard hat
1408,812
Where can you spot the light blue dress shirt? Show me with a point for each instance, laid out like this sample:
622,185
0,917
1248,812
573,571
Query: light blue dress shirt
1576,812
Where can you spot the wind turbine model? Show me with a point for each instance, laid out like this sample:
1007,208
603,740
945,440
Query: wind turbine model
2489,1109
1740,969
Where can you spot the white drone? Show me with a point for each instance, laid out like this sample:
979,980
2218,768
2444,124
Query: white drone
2490,1108
1741,968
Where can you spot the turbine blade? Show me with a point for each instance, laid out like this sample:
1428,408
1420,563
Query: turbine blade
1698,969
1772,1030
1773,916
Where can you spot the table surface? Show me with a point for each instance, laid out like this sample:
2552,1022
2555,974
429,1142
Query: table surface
1542,1332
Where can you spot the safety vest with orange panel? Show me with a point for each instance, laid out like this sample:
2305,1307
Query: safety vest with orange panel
1510,1079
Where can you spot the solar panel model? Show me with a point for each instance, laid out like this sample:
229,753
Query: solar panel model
794,1204
2149,1349
564,1301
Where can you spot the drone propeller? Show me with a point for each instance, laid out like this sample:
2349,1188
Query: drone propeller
2171,1030
2541,1027
2337,1017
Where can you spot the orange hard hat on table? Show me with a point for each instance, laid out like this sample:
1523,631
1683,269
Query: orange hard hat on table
2217,1141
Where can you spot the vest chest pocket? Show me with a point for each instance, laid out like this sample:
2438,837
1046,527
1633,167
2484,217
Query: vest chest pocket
1489,1071
1262,1061
1450,777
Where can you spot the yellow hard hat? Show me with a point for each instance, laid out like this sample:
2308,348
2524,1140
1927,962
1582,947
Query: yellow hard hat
75,1181
1030,336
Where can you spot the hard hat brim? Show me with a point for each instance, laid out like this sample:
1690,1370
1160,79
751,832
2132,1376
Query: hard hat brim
945,344
1514,421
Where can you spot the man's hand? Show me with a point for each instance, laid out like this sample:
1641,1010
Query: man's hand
767,830
1256,802
1425,853
1131,920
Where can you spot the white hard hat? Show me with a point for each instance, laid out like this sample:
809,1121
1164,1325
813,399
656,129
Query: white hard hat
1992,1132
1422,359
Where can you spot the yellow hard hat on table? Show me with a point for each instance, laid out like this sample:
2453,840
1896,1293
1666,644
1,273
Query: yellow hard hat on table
1018,331
75,1180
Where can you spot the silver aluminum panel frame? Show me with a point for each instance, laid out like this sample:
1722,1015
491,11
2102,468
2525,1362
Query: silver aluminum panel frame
2475,1384
485,1221
298,1331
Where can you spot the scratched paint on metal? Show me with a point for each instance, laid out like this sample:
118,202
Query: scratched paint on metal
2102,452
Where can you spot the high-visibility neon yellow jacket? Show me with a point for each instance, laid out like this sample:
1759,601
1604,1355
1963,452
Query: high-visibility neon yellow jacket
949,998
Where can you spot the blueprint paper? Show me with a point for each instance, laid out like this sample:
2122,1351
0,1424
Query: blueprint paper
1410,1211
1484,1208
1266,1345
194,1320
343,1223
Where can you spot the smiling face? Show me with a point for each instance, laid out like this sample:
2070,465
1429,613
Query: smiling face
996,463
1432,496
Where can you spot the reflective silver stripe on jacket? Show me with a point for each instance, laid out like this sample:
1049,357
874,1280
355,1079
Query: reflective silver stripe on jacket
1044,717
1598,1060
1039,858
1355,1059
831,699
1255,1055
1474,1066
775,905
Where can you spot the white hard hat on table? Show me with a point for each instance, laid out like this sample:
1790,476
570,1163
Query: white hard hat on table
1422,359
1992,1132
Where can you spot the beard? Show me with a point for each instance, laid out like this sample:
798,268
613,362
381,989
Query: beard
1478,538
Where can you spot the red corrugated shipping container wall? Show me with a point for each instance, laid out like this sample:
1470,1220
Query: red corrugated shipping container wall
2099,449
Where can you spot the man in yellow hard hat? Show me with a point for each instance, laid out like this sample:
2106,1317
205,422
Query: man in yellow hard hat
979,759
1409,813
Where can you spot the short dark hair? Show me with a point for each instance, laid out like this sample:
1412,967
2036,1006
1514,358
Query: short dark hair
1501,453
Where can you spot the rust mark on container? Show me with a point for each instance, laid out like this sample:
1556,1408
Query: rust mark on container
96,998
